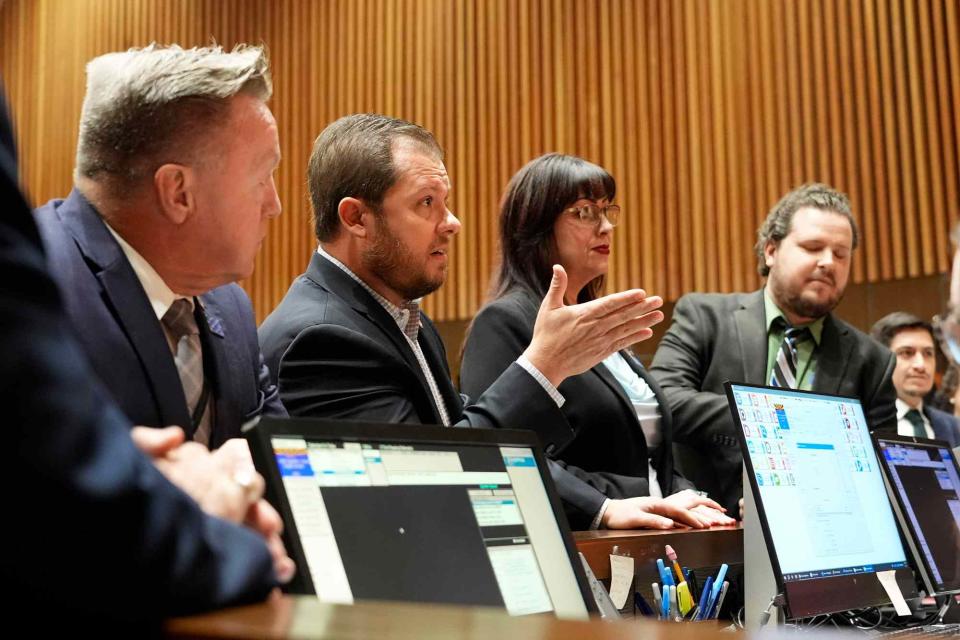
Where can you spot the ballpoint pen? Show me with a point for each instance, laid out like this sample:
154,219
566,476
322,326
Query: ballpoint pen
723,594
704,597
657,603
666,578
715,591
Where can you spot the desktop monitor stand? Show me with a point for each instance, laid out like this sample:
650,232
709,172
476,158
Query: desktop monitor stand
760,583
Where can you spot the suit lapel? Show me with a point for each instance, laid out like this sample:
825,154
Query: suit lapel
217,369
332,278
329,276
750,319
663,456
602,372
129,305
830,371
941,431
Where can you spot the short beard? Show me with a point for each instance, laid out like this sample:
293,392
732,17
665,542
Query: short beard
795,304
805,309
391,262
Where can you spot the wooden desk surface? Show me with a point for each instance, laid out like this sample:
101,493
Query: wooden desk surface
696,548
306,617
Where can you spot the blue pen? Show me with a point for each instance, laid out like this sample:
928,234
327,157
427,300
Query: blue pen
665,605
715,591
704,596
662,570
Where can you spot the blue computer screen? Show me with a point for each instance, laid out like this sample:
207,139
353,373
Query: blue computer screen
820,484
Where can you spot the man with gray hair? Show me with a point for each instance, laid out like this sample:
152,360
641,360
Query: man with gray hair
782,335
173,192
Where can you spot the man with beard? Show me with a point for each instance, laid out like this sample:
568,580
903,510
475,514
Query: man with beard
349,340
782,335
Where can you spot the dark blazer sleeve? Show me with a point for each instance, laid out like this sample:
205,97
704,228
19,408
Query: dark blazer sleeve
269,396
101,535
499,334
336,371
333,370
879,397
679,367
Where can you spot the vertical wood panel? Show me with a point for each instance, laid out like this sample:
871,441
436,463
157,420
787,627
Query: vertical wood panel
704,111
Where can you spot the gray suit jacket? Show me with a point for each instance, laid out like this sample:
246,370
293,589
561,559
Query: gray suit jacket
714,338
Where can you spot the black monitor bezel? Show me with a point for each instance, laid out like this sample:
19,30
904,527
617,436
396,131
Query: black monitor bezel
806,598
259,434
907,529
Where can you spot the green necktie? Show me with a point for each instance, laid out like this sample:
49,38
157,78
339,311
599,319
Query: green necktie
914,417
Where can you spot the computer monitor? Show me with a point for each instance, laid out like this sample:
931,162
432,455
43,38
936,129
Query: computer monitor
420,514
826,519
923,482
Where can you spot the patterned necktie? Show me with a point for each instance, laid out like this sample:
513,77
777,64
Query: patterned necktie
913,417
784,373
187,353
412,328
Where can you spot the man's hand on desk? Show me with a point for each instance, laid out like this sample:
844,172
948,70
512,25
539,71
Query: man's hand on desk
683,508
223,482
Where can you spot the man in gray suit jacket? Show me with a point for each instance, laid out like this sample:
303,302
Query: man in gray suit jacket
783,334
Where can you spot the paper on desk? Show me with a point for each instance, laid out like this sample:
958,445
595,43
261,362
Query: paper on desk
889,581
621,579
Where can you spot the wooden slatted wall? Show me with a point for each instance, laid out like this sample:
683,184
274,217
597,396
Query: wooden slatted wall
704,110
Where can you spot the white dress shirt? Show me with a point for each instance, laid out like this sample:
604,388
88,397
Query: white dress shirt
161,297
904,426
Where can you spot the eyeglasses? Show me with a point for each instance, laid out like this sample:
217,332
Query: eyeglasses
590,213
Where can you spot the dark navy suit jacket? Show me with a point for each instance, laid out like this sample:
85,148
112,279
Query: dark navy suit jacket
96,535
945,426
125,342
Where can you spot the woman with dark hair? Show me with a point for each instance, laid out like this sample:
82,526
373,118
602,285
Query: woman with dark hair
614,458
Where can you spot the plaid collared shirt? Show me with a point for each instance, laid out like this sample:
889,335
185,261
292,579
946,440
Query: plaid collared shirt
407,317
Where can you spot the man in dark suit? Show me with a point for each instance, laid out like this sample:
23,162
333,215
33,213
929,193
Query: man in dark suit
173,193
784,334
911,340
349,340
99,537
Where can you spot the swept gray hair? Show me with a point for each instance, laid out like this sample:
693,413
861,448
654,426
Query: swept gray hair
146,107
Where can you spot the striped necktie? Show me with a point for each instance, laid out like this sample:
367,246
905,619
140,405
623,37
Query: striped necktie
784,373
188,356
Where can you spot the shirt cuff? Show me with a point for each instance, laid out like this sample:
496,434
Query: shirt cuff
599,517
542,379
